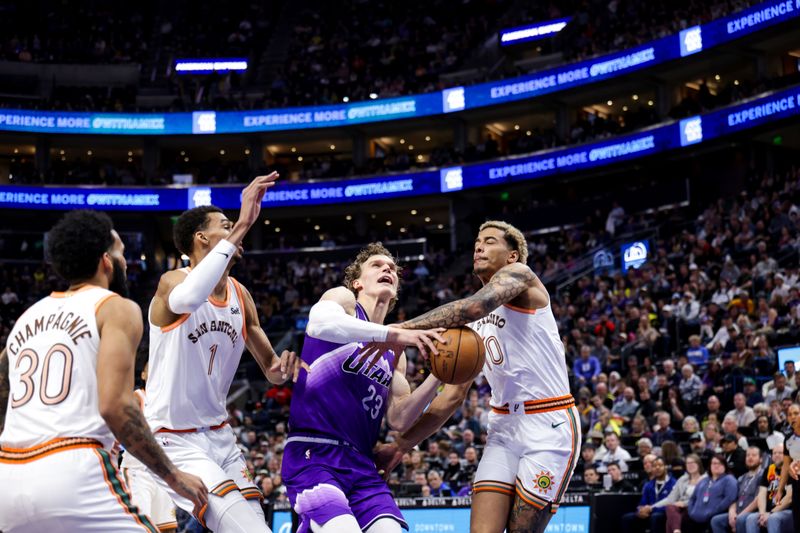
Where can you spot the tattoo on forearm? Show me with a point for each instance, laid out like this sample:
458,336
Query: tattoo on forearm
137,438
5,387
502,288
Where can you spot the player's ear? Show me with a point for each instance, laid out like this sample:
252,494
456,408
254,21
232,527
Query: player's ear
513,257
106,262
202,236
357,285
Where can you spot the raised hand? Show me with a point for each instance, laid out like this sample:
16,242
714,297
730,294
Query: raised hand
252,195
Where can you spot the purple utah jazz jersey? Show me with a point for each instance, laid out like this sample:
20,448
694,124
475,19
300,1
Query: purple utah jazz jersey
341,398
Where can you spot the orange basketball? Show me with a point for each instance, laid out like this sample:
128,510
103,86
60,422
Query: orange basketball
461,358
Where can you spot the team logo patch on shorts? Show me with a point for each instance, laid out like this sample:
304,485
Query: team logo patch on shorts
544,482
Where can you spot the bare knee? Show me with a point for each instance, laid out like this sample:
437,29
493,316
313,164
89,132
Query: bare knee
525,518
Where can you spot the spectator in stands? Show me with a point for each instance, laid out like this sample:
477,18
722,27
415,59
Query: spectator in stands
746,503
586,368
676,503
647,468
713,406
689,309
644,447
690,425
734,455
776,517
712,496
779,391
438,487
626,406
453,469
663,431
654,491
673,377
690,385
699,447
591,478
743,414
614,454
639,427
588,458
751,393
697,353
672,456
618,482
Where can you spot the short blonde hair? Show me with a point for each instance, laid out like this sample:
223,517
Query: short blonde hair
514,237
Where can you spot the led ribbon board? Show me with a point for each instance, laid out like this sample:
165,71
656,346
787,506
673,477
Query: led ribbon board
757,111
687,42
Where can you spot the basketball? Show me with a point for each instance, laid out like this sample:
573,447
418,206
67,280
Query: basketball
461,358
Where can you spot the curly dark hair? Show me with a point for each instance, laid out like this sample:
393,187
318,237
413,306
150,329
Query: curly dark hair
189,223
353,270
77,242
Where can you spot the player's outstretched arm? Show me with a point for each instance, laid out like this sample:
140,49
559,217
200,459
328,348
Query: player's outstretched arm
508,283
120,324
405,407
276,369
333,319
5,388
179,293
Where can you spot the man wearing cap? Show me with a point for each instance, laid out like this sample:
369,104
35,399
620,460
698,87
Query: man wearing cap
751,393
735,457
697,445
742,412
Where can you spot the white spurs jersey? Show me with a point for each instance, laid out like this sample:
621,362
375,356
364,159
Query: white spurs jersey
524,354
193,362
52,364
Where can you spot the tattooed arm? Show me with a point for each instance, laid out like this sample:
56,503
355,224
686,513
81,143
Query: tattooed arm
119,322
5,387
508,283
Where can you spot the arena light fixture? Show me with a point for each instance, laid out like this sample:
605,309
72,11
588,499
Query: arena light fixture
294,149
316,227
373,96
346,99
266,222
635,96
299,157
610,102
413,211
349,217
402,141
427,219
427,137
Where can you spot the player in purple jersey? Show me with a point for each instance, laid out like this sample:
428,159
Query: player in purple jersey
337,407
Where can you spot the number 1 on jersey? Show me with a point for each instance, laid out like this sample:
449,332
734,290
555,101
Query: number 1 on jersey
213,354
